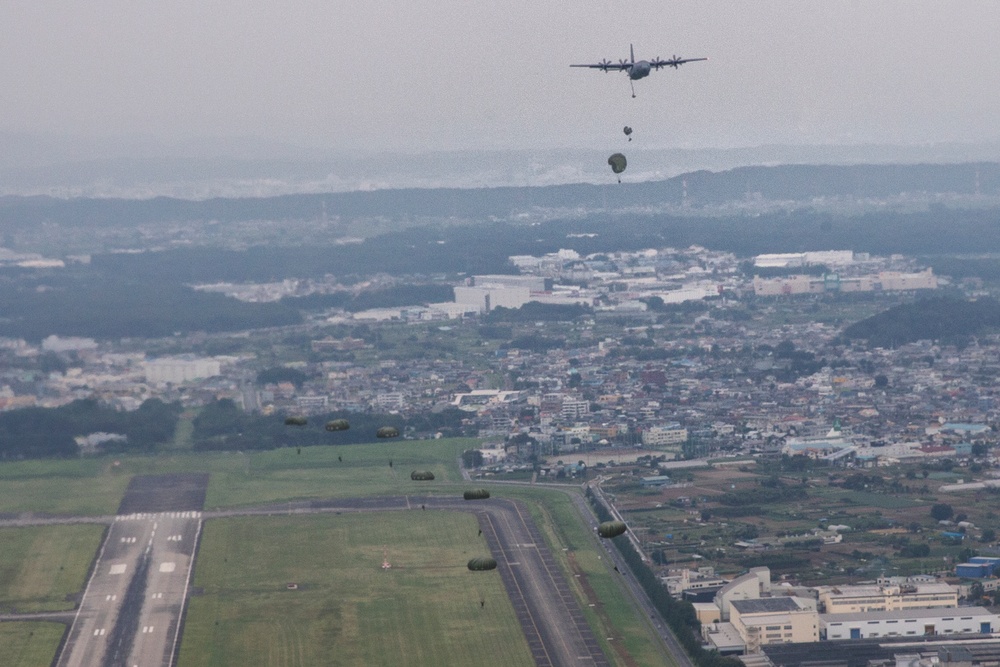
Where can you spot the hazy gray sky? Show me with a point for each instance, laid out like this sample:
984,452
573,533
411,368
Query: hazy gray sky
449,74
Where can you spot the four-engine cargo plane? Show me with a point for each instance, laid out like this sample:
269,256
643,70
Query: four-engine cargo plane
640,69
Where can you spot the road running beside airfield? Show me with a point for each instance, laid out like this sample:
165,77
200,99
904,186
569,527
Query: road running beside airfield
132,608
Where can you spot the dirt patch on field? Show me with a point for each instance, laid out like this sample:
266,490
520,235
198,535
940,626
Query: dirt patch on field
180,492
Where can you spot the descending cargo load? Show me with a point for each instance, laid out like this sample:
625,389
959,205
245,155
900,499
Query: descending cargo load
421,475
387,432
476,494
612,529
337,425
296,420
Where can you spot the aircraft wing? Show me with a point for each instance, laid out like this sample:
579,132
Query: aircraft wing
607,66
674,62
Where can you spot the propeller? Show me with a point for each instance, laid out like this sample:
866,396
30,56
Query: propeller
675,64
605,64
623,62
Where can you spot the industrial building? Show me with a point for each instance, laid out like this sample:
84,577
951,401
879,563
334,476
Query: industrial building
664,436
908,623
176,371
857,599
781,620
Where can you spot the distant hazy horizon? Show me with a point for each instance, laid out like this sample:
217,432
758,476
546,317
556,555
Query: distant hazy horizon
142,168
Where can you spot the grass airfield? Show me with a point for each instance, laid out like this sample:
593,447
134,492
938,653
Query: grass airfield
427,609
344,611
29,644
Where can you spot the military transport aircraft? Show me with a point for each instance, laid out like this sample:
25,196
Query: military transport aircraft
640,69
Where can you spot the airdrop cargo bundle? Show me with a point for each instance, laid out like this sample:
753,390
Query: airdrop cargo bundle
476,494
421,475
337,425
611,529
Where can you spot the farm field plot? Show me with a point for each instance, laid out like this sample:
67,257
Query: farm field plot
427,609
41,565
29,644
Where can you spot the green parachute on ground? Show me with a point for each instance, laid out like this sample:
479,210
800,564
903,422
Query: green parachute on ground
483,564
337,425
296,420
421,475
611,529
387,432
618,164
476,494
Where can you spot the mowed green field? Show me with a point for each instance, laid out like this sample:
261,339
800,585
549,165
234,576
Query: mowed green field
78,487
29,644
342,472
89,487
426,610
41,565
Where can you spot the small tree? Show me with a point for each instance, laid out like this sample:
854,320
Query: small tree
472,458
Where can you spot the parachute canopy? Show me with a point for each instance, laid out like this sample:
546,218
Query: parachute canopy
611,529
618,163
482,564
337,425
476,494
387,432
421,475
296,420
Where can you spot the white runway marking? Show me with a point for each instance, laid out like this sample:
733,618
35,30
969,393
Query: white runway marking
168,567
118,568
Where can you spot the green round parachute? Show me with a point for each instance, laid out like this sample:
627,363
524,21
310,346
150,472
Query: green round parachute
618,163
483,564
296,420
421,475
387,432
476,494
611,529
337,425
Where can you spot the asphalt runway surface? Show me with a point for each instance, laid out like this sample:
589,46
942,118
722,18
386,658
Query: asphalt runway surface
131,610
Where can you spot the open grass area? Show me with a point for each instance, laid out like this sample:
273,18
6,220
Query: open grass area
41,565
344,471
95,486
425,610
85,487
29,644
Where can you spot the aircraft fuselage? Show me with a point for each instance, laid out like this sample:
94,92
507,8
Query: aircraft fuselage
639,70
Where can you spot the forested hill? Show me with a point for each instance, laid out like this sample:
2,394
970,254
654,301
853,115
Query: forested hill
944,318
790,182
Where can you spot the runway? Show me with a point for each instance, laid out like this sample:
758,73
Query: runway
131,609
